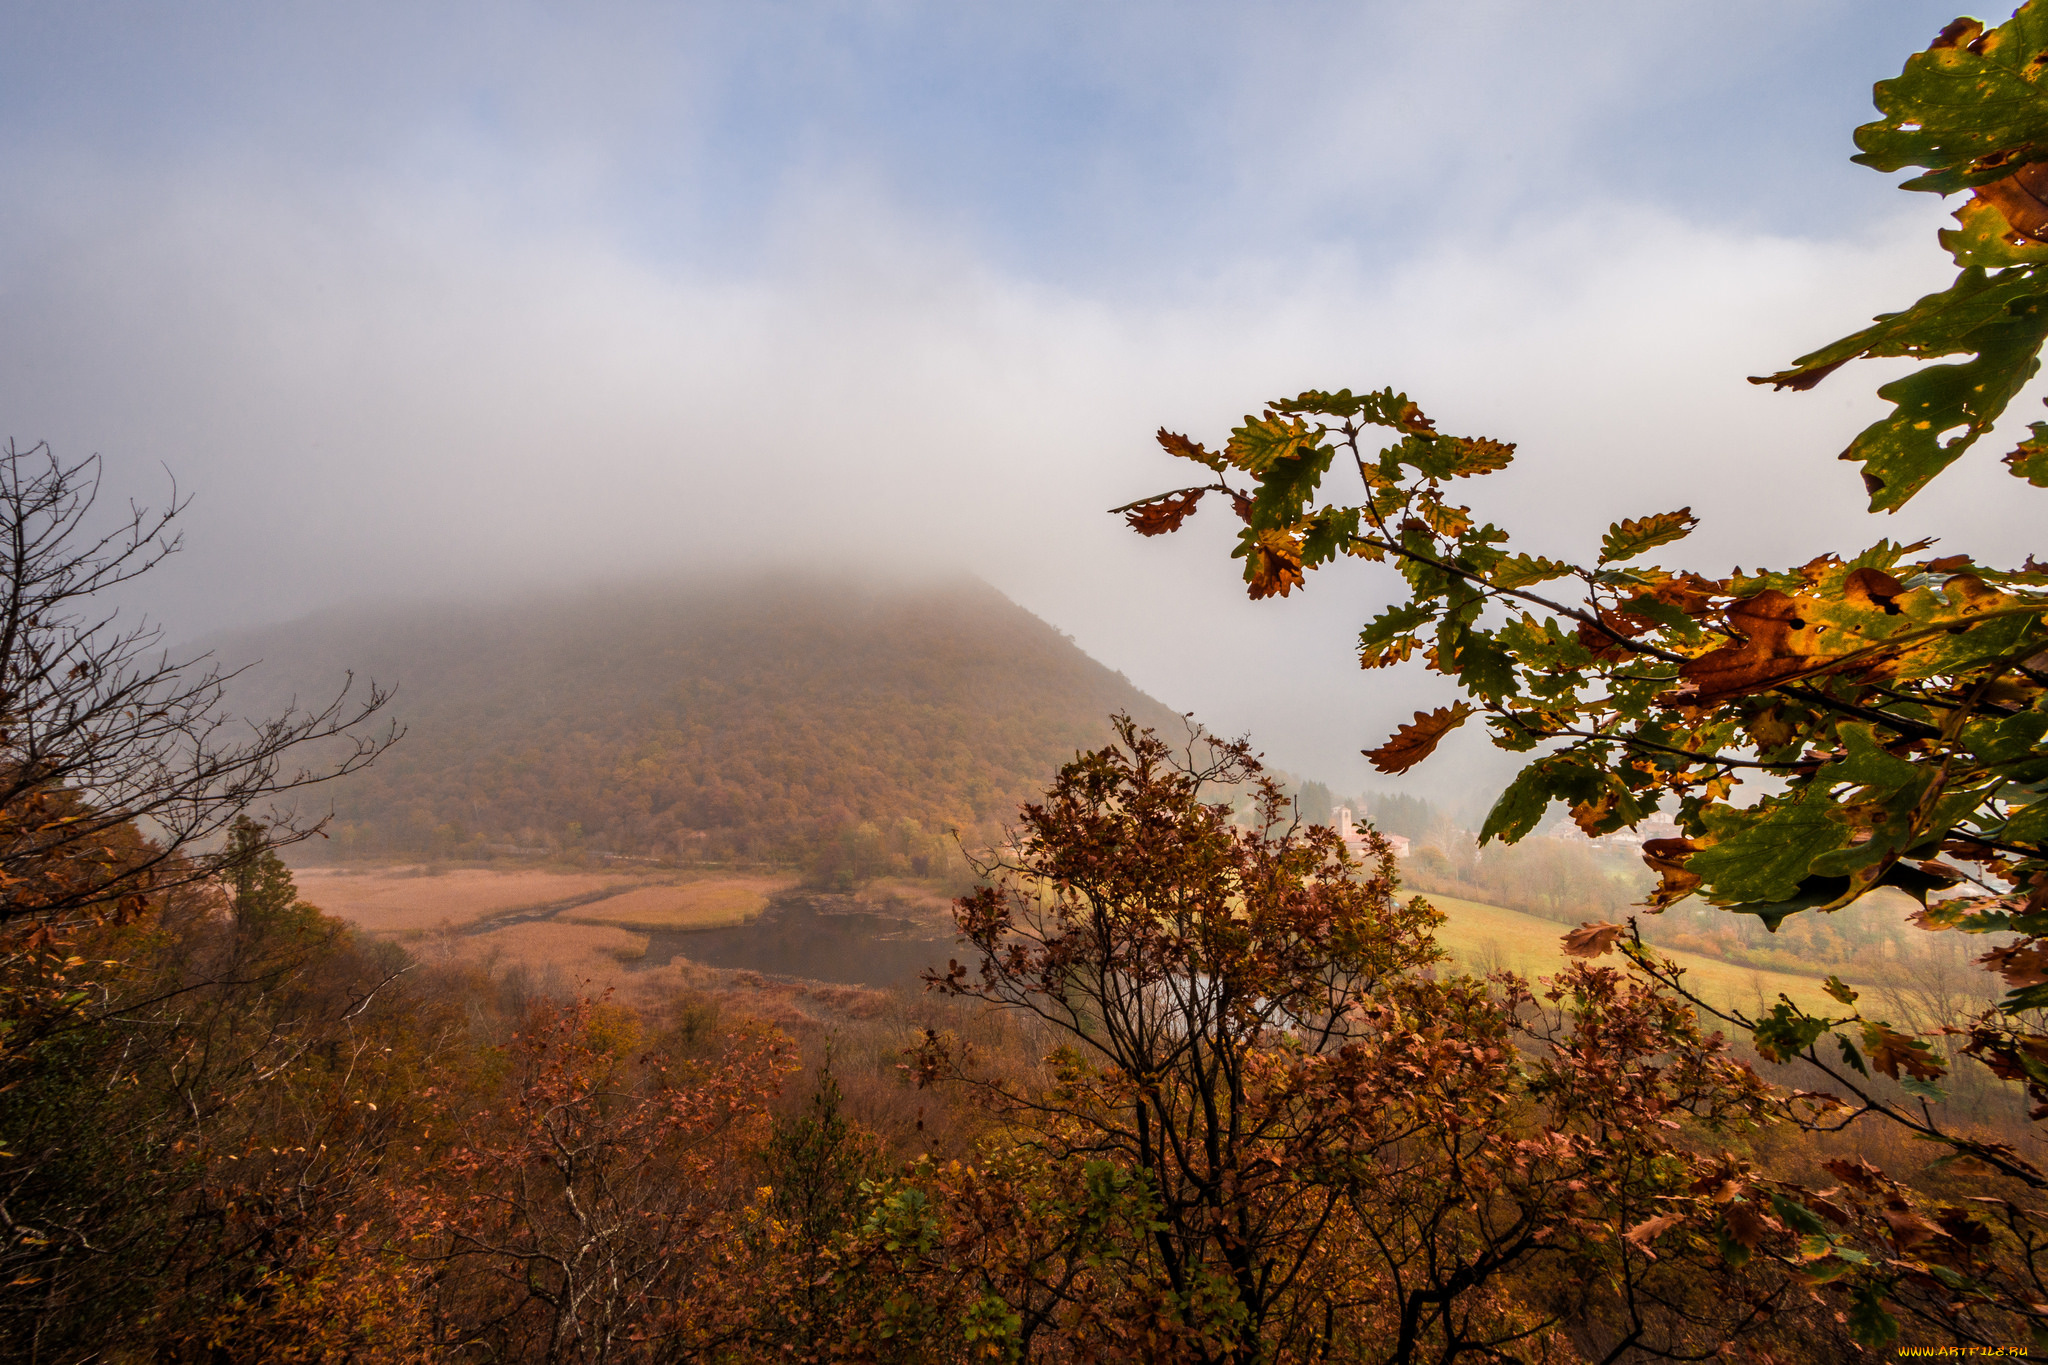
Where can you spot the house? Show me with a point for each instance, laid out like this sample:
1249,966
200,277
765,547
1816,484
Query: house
1353,836
1656,825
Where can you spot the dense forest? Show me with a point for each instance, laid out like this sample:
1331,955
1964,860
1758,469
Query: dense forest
714,719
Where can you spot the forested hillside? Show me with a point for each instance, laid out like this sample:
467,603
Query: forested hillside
704,719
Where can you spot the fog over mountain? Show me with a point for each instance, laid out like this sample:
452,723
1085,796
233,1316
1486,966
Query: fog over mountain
723,716
435,301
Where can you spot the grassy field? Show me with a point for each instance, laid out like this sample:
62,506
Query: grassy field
1486,937
402,900
580,957
717,903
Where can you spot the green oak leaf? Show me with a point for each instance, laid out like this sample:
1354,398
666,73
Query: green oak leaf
1961,103
1786,1032
1627,539
1985,239
1901,453
1763,855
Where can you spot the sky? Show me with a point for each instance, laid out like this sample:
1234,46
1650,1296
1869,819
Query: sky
432,300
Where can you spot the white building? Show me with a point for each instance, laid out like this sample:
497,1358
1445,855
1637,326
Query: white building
1353,836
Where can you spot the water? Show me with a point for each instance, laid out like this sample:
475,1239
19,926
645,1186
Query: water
816,936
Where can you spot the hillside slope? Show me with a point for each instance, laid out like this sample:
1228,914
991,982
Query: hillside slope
711,719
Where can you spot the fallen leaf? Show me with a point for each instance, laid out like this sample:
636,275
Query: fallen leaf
1647,1231
1592,938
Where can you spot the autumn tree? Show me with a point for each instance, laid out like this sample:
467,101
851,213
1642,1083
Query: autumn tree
123,770
1279,1132
593,1213
1860,721
203,1157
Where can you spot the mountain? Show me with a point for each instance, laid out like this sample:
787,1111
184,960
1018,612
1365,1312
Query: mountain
708,719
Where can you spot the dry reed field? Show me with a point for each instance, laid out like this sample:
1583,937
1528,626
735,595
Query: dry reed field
404,900
577,958
713,903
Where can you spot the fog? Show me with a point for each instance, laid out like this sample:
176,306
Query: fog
507,295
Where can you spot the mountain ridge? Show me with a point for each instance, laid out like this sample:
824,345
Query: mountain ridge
726,716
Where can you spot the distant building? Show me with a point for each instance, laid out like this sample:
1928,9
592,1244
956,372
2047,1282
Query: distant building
1654,826
1353,836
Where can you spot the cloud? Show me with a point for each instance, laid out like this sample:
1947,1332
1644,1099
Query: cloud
450,347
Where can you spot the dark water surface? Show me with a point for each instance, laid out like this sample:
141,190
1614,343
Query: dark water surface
820,937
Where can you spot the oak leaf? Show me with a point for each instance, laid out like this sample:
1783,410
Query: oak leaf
2022,965
1873,588
1163,514
1748,1225
1777,644
1627,539
1859,1173
1666,857
1418,739
1910,1230
1520,571
1605,639
2029,460
1965,1230
1688,592
2018,199
1647,1231
1889,1050
1593,938
1273,565
1176,444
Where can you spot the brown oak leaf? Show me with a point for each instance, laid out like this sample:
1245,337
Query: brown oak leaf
1173,443
1604,639
1593,938
1868,588
1889,1050
1777,644
1748,1224
1689,592
1275,565
1416,740
2023,964
1859,1173
1161,515
1666,857
1910,1230
2019,200
1964,1229
1647,1231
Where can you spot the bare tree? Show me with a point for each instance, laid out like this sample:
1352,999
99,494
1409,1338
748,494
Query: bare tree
121,766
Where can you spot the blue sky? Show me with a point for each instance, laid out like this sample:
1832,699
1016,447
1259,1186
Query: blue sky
446,297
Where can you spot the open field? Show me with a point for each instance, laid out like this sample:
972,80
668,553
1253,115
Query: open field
1488,938
594,940
403,900
584,958
715,903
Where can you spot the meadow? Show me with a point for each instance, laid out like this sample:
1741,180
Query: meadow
709,903
1484,938
410,900
601,927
